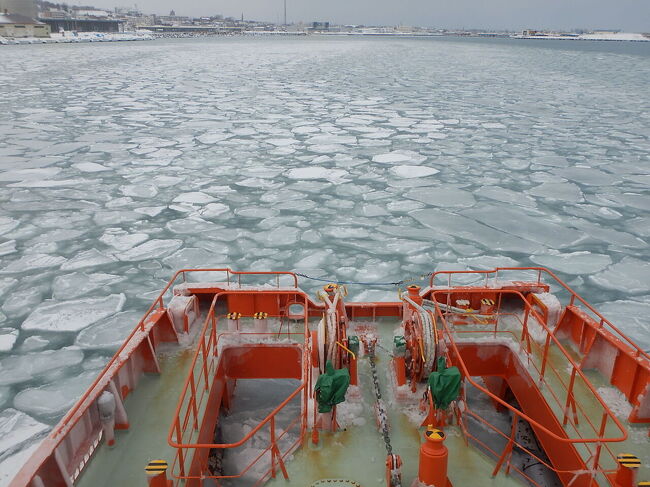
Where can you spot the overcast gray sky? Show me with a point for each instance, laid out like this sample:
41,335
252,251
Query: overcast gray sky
628,15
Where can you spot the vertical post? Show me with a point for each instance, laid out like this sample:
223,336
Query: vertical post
569,397
205,362
193,400
213,332
179,440
273,446
545,357
508,448
498,313
599,445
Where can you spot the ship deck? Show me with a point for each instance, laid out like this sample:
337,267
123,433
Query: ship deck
227,398
338,455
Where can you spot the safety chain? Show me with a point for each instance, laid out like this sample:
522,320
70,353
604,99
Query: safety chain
396,283
382,413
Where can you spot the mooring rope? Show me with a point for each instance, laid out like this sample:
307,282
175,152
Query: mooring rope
396,283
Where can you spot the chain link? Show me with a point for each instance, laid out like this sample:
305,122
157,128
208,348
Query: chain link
382,414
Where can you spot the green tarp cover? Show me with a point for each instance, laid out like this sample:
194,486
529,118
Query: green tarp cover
331,387
444,384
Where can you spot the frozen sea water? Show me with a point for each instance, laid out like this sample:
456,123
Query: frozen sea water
356,159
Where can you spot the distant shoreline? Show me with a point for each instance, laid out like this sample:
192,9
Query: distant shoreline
89,37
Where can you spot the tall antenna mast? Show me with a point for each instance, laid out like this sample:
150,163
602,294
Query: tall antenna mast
285,12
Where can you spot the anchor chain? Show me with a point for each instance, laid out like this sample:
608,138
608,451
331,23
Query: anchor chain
382,414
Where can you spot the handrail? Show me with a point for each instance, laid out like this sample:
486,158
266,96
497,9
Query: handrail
159,304
139,327
250,433
607,412
211,322
639,351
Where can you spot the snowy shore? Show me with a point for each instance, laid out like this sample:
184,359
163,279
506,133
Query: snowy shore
69,38
598,36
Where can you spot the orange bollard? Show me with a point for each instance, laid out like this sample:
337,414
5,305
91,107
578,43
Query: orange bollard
414,294
433,459
628,467
157,474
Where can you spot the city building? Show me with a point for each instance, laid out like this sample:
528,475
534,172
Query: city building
320,26
15,25
26,8
88,24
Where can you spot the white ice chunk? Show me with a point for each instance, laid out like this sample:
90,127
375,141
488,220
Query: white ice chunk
153,249
632,317
193,258
8,337
29,174
194,197
122,240
139,190
406,171
12,463
213,138
22,301
213,210
7,248
91,167
17,428
7,224
88,258
442,196
55,399
459,226
281,142
110,332
77,284
34,343
535,228
558,191
630,276
573,262
20,368
73,315
150,210
316,172
391,158
30,262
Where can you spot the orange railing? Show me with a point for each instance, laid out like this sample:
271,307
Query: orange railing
92,392
538,273
185,427
548,378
